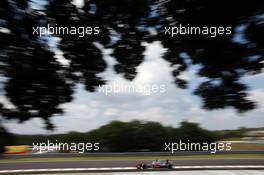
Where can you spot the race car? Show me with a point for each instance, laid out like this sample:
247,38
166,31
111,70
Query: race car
155,164
161,164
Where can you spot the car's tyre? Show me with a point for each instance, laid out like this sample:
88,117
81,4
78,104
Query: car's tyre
144,166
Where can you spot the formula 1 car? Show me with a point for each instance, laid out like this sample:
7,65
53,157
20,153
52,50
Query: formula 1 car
156,164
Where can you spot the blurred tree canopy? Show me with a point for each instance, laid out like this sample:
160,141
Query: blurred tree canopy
37,84
118,136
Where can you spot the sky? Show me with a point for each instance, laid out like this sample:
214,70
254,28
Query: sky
91,110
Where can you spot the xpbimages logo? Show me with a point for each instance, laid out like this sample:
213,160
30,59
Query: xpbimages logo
144,89
80,31
212,31
197,146
59,146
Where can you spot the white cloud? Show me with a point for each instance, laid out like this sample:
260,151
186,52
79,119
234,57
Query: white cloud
154,70
87,111
35,125
6,103
91,110
258,96
152,114
256,76
78,3
110,112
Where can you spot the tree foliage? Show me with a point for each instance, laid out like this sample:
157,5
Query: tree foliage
118,136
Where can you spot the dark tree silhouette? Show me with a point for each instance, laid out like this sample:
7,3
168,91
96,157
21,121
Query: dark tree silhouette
6,139
36,84
223,61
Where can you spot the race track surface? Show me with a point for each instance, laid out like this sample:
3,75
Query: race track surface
219,172
123,163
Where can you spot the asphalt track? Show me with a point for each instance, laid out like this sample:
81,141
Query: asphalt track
229,172
124,163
